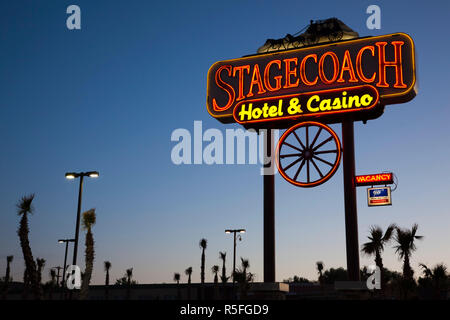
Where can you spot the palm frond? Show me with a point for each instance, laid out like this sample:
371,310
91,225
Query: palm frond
215,269
130,272
245,263
389,232
89,218
24,205
319,265
203,243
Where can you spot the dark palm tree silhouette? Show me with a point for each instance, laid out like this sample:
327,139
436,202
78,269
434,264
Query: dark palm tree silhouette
223,257
176,278
7,279
203,244
24,208
52,283
437,278
320,266
26,284
244,278
215,271
405,247
245,265
40,266
188,272
89,219
107,266
376,245
129,276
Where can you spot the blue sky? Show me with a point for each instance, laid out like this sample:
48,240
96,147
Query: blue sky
107,98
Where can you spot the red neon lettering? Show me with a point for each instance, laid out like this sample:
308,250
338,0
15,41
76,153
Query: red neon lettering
347,66
240,70
256,79
226,87
397,64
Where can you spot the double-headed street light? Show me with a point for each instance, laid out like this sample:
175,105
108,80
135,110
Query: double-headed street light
81,175
66,241
234,231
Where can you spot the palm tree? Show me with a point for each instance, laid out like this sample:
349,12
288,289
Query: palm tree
7,279
436,278
376,245
244,278
203,244
320,266
188,272
176,278
24,208
129,276
89,219
223,257
40,265
215,271
107,265
405,247
52,283
26,284
245,265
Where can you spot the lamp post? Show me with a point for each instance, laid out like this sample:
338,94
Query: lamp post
66,241
81,175
234,231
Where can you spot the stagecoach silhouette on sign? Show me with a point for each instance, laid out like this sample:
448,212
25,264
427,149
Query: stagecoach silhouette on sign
320,31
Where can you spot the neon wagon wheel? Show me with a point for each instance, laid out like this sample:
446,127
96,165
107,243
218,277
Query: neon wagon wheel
308,154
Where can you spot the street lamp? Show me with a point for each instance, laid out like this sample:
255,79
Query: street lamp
235,231
66,241
81,175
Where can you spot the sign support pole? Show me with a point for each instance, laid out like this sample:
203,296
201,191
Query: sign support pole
269,209
351,215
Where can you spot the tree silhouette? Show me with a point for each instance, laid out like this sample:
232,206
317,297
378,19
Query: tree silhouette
107,266
89,219
188,272
176,278
24,208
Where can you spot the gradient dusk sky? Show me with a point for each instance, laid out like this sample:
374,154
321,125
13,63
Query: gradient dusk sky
107,98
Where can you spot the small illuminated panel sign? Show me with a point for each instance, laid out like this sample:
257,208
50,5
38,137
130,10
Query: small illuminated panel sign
331,82
379,196
374,179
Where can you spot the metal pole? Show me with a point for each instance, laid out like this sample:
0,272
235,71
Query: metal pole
234,256
351,215
64,269
75,248
269,212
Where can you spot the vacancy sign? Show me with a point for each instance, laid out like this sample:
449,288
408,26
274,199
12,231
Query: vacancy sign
379,196
374,179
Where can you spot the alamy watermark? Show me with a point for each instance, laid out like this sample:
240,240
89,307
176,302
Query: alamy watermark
73,22
374,20
73,273
374,281
237,146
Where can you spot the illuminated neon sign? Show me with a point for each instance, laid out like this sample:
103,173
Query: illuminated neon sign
374,179
370,72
